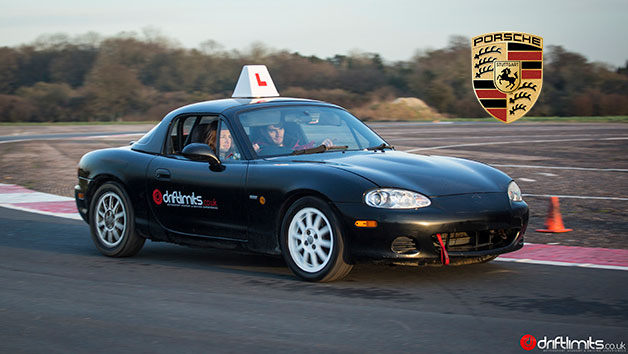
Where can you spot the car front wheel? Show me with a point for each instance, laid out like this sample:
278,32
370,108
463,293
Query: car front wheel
312,241
112,222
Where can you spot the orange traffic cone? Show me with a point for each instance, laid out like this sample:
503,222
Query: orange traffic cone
554,222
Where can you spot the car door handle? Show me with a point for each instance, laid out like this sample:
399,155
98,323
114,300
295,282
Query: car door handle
162,174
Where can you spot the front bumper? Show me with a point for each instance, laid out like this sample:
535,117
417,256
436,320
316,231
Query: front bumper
471,225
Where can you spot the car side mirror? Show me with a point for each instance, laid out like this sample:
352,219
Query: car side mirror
200,152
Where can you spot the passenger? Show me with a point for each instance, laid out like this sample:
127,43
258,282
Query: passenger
227,147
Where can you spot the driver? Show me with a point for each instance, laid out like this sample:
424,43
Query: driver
273,137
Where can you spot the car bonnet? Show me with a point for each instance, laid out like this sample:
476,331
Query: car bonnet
430,175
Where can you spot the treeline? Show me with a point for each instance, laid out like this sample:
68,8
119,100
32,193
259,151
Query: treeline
128,77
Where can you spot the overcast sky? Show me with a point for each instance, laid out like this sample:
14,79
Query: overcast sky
394,29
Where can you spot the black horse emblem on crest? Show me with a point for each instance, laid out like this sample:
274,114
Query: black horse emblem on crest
505,76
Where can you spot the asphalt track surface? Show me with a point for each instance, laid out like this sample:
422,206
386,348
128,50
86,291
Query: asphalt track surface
60,295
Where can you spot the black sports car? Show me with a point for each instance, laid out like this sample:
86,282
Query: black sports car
301,178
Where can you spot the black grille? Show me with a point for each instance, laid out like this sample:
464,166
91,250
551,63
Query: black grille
404,245
476,241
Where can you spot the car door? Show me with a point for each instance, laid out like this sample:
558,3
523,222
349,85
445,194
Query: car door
193,198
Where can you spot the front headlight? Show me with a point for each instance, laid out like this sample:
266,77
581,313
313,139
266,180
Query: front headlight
390,198
514,193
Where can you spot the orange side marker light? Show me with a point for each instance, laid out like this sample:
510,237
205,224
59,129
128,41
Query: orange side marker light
366,223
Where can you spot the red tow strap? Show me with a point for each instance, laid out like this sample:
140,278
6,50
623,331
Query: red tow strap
444,256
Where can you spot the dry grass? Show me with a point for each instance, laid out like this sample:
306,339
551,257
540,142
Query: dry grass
400,109
48,166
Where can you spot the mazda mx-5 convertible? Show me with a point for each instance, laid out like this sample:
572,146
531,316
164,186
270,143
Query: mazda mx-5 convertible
299,178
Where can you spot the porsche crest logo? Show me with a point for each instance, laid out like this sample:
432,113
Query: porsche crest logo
507,73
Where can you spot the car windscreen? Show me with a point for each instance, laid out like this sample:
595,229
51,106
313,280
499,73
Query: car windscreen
285,130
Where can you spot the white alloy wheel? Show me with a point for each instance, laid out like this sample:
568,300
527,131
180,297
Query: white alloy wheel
111,219
310,240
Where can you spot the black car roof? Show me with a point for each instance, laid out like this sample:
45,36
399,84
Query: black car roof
152,142
219,106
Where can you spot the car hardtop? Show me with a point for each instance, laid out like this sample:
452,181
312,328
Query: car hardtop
152,142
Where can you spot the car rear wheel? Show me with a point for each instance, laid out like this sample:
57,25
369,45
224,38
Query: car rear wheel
112,222
312,241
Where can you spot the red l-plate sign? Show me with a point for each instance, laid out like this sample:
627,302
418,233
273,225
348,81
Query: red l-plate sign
259,81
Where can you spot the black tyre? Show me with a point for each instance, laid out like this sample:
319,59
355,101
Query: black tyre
312,241
112,222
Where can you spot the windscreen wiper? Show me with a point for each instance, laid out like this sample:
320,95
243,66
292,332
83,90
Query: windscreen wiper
381,146
319,149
